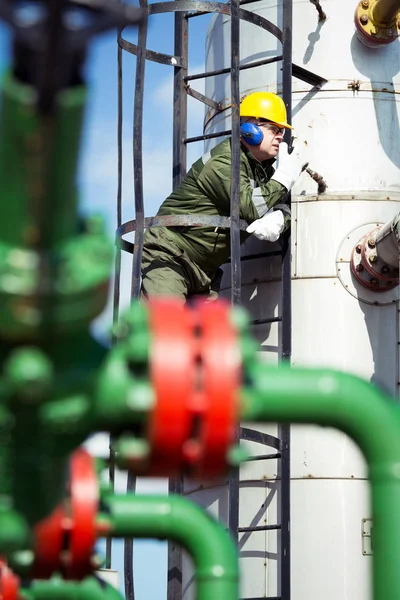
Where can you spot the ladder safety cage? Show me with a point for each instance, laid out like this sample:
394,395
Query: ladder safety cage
185,10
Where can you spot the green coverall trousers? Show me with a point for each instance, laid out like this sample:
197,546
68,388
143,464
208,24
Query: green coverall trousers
168,271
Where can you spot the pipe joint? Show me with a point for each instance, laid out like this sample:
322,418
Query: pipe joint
377,21
375,258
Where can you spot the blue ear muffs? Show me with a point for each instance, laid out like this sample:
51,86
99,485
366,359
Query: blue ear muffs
251,133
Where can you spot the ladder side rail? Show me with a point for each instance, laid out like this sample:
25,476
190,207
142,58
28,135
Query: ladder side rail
234,485
179,167
286,346
138,242
117,264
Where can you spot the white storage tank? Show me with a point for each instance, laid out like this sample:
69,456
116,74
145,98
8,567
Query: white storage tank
350,131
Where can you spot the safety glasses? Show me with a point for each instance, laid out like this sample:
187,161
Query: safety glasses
274,129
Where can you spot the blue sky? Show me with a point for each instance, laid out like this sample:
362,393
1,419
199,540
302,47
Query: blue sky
98,174
99,188
98,185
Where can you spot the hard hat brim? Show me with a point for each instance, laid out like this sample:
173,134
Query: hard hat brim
285,125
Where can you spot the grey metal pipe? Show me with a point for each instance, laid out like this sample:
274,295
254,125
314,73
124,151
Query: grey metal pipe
375,258
387,242
383,12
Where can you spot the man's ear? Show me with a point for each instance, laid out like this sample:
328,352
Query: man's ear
251,134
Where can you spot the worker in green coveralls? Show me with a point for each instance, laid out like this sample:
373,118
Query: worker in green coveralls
184,261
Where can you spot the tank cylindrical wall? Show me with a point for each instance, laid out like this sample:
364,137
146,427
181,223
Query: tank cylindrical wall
351,128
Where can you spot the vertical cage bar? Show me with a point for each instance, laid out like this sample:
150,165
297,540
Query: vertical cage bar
117,264
137,154
179,165
180,100
235,149
236,284
286,348
174,589
138,240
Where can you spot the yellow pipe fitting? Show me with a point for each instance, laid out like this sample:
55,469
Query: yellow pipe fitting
385,13
377,21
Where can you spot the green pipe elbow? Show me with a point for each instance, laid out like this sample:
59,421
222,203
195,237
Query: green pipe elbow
57,588
364,413
174,518
326,397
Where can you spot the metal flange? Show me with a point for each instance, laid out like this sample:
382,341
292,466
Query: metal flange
195,372
369,268
372,31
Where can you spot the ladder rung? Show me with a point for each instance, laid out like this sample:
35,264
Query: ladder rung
258,63
264,598
243,2
207,136
261,255
263,457
259,528
264,321
308,76
259,437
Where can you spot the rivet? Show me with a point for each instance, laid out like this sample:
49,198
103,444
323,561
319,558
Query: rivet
390,32
358,248
364,19
371,242
359,268
365,3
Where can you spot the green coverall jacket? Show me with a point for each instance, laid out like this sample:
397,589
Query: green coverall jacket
184,260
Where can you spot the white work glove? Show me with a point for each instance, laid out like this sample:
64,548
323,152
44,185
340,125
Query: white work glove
269,227
289,166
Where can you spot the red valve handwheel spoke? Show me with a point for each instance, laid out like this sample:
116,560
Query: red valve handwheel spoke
84,504
65,540
49,538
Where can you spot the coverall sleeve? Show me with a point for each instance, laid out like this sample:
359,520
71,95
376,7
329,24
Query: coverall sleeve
215,182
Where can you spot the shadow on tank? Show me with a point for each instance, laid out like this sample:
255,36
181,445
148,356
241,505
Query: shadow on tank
261,292
384,61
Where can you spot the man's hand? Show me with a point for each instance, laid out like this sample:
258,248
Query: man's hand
269,227
289,167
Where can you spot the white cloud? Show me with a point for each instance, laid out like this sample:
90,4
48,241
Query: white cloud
162,95
100,177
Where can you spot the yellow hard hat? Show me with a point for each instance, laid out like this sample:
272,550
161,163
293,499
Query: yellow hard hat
265,105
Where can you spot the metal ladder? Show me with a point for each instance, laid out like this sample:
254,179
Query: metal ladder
185,10
281,445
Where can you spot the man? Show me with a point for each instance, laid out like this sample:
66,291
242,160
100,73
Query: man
185,261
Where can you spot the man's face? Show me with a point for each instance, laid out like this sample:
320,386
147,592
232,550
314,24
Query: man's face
273,135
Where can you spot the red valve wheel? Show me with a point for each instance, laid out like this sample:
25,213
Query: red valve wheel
172,374
195,370
65,540
9,583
